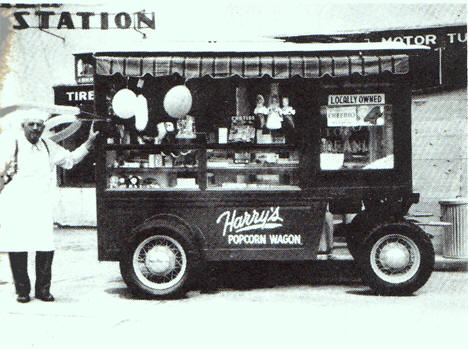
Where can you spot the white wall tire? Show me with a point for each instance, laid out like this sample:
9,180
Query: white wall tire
396,259
158,265
159,262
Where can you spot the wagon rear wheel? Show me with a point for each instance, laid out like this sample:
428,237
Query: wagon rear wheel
158,265
396,259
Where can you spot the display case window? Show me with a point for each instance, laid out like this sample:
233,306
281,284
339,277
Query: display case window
252,169
356,133
235,134
144,170
203,169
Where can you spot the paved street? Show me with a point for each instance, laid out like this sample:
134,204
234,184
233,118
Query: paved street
288,306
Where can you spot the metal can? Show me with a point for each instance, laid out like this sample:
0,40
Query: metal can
455,211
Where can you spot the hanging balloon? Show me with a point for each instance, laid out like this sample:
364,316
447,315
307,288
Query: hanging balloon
124,103
178,101
141,113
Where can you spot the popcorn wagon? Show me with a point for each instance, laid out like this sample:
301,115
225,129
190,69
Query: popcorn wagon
245,153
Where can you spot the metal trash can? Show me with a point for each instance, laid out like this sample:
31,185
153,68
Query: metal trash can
455,211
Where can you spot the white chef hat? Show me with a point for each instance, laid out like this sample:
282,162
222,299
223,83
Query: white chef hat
12,117
34,115
14,120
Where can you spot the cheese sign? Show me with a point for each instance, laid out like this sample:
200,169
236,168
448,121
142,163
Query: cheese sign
356,99
343,116
352,116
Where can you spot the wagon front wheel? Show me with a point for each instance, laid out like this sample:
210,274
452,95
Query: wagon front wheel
396,259
158,265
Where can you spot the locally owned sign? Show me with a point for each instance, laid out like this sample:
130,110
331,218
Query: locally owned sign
374,98
356,110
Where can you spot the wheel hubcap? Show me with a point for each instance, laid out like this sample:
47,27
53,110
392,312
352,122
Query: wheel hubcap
160,260
394,256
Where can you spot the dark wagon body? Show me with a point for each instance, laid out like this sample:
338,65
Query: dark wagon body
166,208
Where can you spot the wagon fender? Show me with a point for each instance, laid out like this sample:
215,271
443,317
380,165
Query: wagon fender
173,223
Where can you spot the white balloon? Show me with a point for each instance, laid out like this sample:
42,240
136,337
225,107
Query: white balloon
124,103
141,113
178,101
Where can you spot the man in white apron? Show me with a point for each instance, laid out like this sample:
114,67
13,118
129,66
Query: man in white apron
27,201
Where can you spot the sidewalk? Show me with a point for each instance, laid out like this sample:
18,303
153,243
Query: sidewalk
92,297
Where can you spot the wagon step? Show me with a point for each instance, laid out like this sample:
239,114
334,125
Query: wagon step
434,224
420,214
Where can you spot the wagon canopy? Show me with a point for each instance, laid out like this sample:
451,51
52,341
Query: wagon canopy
305,61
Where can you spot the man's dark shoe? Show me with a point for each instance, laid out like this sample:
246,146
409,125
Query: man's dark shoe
46,297
23,299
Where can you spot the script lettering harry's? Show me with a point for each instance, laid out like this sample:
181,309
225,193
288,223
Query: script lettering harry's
266,219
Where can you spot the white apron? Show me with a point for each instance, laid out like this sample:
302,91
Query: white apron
26,203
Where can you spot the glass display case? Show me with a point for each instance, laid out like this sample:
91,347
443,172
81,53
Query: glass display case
203,167
153,168
233,139
255,167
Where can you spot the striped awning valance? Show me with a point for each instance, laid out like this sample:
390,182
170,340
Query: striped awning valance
278,67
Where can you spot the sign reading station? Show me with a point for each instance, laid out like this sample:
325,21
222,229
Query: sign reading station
83,20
